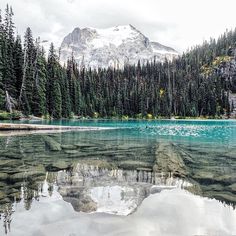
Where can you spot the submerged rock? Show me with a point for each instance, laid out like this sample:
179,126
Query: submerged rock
169,160
204,176
9,163
232,187
2,195
24,175
3,176
58,165
12,154
71,151
68,147
84,145
52,144
224,196
209,177
226,179
213,187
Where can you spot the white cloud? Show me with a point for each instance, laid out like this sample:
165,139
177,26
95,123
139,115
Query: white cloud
176,23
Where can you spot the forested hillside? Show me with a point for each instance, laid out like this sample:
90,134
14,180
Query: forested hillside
196,84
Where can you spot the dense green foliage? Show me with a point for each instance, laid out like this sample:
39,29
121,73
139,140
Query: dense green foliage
190,85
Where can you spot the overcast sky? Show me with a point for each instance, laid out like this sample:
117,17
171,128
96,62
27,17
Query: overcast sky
176,23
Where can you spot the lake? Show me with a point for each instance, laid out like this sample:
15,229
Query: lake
165,177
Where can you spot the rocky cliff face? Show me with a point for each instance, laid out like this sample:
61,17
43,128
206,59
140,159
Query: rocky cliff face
224,67
112,47
227,71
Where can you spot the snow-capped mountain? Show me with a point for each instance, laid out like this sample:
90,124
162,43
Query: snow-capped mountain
112,47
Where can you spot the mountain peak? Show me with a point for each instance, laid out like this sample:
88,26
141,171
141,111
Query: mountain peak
112,46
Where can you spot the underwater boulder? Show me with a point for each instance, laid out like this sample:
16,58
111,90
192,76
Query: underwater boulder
169,160
52,144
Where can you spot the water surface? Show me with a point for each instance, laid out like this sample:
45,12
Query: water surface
141,178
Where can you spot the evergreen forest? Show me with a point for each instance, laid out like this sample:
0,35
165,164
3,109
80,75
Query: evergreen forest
194,84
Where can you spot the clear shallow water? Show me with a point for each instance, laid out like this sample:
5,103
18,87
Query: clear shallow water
142,178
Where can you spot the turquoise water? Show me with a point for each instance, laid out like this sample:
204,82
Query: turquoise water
221,131
61,183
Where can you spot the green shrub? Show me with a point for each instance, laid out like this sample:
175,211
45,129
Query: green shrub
4,115
16,115
95,115
149,116
125,117
139,116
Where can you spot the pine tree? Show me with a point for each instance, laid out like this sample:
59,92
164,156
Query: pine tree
40,79
18,58
74,86
51,76
2,95
65,93
54,95
9,77
56,109
28,78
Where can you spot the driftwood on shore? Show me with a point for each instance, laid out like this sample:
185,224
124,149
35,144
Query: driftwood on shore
9,126
8,129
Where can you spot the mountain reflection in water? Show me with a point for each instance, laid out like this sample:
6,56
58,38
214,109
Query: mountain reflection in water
92,189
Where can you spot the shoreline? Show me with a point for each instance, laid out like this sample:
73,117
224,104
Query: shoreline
17,129
37,119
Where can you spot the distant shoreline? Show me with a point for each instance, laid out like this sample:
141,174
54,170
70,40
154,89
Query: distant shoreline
117,118
38,119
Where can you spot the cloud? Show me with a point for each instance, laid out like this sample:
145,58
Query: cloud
179,24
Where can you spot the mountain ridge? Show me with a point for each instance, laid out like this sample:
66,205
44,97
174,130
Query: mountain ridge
114,46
